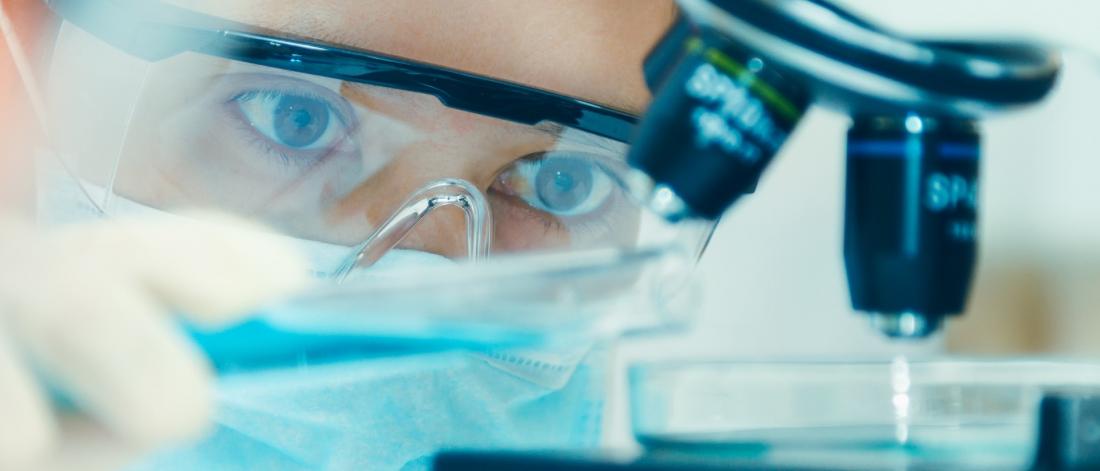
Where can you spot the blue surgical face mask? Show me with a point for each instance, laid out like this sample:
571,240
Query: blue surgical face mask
389,411
396,412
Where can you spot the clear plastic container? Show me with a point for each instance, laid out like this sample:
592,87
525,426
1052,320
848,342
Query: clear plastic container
877,415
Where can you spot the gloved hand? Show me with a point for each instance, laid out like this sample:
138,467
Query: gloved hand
89,308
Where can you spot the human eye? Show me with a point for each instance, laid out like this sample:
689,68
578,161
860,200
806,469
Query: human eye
295,122
560,184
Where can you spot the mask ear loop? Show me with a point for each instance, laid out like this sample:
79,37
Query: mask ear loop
437,194
34,95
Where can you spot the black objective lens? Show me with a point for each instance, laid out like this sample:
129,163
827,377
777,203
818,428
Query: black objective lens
910,226
719,116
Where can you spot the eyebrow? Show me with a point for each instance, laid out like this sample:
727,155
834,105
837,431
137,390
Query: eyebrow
624,104
551,129
558,131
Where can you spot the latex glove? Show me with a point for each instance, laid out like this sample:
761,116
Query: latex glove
90,307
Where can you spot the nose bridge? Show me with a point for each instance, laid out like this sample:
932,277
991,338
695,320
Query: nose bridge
471,205
437,184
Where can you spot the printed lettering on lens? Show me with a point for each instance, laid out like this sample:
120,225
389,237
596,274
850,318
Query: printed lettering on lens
731,117
948,192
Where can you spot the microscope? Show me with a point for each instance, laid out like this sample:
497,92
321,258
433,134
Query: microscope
732,79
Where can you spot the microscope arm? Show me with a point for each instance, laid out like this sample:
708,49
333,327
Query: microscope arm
1064,24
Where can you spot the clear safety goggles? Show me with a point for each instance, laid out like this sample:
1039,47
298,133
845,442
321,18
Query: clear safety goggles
179,110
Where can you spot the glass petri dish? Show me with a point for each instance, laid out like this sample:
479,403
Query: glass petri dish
532,301
899,414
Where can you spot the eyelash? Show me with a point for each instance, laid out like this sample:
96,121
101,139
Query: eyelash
265,144
585,228
584,225
594,152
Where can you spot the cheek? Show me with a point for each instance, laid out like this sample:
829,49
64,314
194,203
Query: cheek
200,155
199,152
625,227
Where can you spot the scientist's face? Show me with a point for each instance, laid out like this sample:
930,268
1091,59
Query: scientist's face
328,160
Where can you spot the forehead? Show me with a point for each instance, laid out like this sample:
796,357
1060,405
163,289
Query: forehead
592,49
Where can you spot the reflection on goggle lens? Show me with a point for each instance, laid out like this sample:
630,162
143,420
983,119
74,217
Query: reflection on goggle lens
562,184
328,160
554,193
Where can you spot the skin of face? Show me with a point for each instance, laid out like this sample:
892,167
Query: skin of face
22,57
590,49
